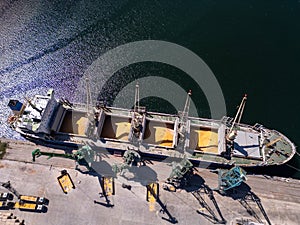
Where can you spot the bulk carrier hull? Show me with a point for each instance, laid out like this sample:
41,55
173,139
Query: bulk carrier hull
61,123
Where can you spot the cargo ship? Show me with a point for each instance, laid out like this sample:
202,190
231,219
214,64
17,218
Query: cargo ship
224,142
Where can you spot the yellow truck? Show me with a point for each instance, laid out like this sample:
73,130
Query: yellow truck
152,192
33,199
108,186
28,206
152,195
65,182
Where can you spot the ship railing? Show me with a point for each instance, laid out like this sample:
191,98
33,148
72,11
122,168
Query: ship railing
160,119
257,127
227,120
285,139
162,114
69,134
115,140
249,127
120,114
116,108
79,106
205,124
156,146
203,119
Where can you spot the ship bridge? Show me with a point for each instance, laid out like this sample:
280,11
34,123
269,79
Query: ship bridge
38,113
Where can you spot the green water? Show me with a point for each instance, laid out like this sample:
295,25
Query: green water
252,47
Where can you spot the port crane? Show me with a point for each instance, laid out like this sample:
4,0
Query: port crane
181,173
84,155
229,179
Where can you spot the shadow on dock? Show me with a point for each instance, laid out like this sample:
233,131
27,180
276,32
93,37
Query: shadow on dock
107,203
246,198
164,208
209,209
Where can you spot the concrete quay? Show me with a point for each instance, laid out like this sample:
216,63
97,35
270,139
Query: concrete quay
277,199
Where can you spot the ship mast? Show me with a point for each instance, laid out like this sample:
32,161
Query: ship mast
88,96
137,98
232,133
138,119
185,112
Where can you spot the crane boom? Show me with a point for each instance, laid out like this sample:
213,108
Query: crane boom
182,125
237,118
273,142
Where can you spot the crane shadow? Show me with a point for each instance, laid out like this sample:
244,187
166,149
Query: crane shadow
205,197
246,197
107,202
164,209
212,214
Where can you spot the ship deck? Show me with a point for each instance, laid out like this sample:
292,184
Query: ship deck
205,138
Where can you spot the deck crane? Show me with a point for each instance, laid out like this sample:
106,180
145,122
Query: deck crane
88,96
33,105
183,170
137,120
92,113
137,97
183,124
272,143
231,135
